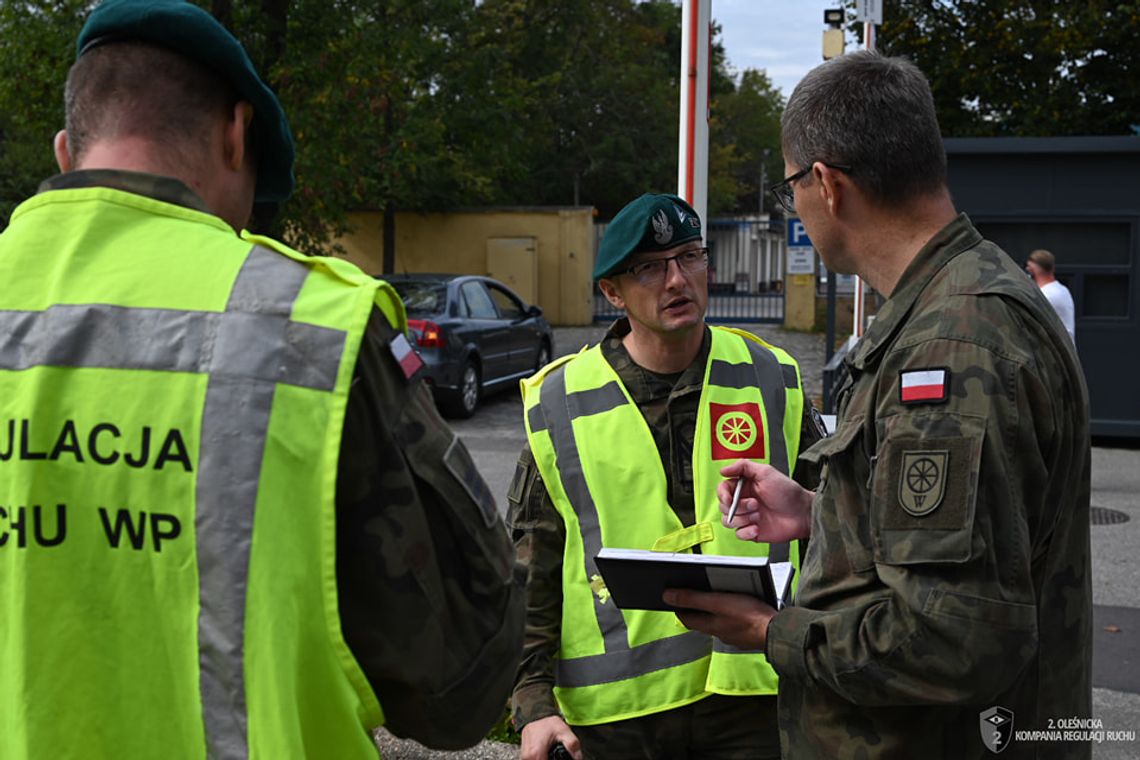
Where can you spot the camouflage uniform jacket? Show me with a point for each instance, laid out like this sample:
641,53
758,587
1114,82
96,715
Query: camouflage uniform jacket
948,570
431,601
669,404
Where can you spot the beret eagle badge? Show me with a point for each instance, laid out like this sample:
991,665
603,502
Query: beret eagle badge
663,230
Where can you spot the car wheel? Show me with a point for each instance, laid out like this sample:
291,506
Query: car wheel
465,399
543,356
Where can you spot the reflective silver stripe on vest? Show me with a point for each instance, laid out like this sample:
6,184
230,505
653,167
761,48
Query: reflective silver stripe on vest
771,377
583,404
617,666
536,419
557,410
246,350
791,377
731,375
595,400
235,424
98,336
768,370
722,648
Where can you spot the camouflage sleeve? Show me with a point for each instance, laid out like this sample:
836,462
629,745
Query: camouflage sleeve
806,472
540,537
922,518
431,599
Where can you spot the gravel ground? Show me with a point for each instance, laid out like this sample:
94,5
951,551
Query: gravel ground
392,748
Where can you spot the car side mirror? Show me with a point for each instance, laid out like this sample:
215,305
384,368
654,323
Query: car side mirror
534,311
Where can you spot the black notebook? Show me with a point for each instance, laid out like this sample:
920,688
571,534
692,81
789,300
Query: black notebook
637,578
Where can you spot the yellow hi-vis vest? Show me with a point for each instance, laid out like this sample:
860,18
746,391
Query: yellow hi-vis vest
601,468
171,405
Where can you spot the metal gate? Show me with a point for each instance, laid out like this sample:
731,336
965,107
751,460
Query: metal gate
746,272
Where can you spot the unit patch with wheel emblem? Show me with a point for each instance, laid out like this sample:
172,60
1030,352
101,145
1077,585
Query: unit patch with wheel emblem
922,481
737,431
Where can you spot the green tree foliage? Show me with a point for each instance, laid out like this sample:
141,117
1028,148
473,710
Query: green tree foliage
594,113
594,116
363,82
435,104
37,45
1023,67
745,145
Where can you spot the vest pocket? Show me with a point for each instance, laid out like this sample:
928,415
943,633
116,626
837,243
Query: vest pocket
842,497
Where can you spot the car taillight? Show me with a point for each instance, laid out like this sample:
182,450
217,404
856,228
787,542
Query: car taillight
428,334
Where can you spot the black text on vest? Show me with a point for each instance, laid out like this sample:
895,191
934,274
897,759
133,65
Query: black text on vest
103,444
17,519
126,524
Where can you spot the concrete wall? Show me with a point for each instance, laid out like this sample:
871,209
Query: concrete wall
456,242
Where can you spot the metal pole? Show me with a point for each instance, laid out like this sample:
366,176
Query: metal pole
763,183
693,153
860,307
828,391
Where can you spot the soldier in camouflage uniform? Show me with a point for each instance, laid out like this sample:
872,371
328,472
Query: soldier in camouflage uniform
667,387
429,599
946,593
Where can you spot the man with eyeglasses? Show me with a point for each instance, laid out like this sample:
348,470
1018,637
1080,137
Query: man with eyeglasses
625,445
945,595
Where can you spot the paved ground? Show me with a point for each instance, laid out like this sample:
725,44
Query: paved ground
495,436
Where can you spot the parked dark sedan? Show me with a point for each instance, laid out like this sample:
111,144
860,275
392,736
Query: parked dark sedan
474,333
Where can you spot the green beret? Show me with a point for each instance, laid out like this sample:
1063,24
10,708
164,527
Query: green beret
650,223
187,29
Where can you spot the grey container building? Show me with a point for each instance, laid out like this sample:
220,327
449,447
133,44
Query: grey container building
1078,197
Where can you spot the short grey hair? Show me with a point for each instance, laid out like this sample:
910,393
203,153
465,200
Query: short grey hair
874,114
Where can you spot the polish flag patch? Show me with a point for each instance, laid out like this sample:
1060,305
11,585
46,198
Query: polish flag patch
924,386
406,356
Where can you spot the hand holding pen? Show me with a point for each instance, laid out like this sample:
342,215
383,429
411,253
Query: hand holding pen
766,505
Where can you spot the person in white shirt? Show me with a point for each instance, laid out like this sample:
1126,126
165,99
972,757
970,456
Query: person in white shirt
1040,266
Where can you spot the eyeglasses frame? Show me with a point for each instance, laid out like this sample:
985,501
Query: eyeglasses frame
702,250
784,186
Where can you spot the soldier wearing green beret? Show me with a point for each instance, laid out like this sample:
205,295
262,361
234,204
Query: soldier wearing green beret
234,524
946,592
625,443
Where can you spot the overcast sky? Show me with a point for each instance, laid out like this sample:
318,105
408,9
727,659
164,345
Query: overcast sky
783,37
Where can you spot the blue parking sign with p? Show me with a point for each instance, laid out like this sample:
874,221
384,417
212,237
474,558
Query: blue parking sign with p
797,234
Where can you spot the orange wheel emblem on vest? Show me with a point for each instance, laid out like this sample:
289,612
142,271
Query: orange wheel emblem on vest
736,431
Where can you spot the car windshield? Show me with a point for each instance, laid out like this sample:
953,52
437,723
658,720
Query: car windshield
421,297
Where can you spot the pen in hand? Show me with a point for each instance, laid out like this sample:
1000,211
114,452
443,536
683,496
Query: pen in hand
735,499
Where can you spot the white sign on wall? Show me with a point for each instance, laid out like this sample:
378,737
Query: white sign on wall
869,10
801,254
801,260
